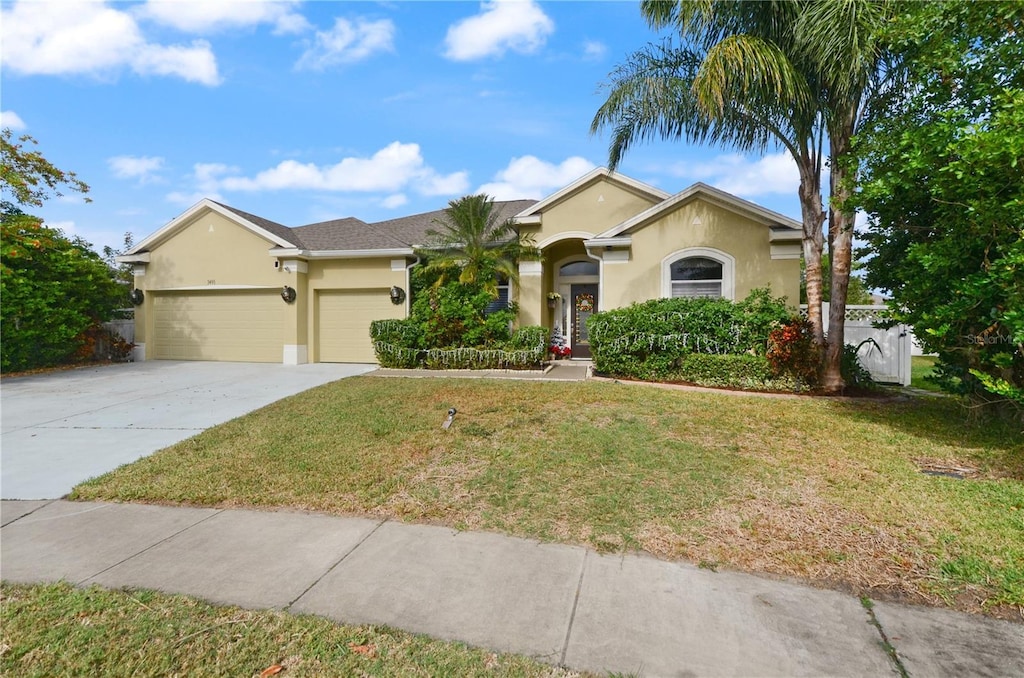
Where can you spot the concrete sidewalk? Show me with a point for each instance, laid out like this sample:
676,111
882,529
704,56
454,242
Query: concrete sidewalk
564,605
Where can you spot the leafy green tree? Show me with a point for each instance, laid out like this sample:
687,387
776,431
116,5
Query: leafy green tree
472,240
942,179
27,176
752,75
53,288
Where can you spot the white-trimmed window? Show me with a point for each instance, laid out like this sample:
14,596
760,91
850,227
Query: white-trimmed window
698,272
504,297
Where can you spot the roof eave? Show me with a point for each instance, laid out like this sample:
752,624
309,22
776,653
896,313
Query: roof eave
296,253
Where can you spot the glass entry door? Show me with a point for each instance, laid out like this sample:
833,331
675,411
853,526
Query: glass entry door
583,304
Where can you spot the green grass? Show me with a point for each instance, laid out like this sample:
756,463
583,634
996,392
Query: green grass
823,489
920,367
56,630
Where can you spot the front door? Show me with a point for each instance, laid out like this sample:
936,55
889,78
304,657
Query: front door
584,305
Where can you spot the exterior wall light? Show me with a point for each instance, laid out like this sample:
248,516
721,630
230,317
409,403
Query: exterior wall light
136,297
288,294
397,295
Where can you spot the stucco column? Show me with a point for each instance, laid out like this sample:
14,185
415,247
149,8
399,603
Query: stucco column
531,293
295,351
143,318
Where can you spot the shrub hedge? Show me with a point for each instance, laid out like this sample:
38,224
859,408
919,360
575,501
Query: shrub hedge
398,344
652,340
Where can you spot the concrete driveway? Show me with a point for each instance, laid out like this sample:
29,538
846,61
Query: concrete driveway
59,429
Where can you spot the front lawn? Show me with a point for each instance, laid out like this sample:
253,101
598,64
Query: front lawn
56,630
922,366
824,489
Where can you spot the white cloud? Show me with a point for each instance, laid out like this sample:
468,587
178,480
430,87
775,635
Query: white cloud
772,174
92,39
392,169
530,177
206,176
432,183
195,64
501,26
594,50
347,42
143,168
11,120
209,17
393,201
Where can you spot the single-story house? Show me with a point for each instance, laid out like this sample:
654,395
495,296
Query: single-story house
217,283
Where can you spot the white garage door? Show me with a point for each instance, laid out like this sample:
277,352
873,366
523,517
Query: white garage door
343,323
237,325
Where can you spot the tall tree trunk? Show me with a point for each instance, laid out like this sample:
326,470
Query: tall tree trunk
813,242
840,232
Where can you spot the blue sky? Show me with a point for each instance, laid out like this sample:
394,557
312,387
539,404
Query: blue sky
306,111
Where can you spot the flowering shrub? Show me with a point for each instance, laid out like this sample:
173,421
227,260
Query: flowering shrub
791,352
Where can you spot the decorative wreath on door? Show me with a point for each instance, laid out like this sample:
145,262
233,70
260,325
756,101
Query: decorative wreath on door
585,303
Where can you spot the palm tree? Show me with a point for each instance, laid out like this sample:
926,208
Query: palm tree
754,74
737,81
856,71
473,240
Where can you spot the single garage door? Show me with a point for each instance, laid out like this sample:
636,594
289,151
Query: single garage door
343,323
236,325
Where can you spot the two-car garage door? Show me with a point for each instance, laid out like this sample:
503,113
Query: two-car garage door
238,325
248,325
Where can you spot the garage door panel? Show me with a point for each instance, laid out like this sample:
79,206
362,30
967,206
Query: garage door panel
343,323
243,326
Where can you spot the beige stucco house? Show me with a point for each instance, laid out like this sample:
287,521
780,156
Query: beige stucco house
217,283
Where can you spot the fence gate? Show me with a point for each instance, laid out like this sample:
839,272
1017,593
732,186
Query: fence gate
889,362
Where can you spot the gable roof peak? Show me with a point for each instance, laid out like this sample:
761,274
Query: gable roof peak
589,178
782,225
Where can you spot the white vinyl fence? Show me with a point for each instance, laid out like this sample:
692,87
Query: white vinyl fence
889,361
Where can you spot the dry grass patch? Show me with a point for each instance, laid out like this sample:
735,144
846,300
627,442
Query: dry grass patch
822,489
57,630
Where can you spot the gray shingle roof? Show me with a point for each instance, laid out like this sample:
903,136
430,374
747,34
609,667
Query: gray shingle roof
347,234
267,225
354,234
412,230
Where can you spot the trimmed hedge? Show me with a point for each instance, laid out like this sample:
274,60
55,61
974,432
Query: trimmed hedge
397,344
651,340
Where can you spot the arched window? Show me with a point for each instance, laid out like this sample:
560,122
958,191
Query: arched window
698,272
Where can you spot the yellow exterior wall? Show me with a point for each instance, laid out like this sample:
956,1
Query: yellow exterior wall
640,278
584,211
354,274
226,255
591,210
214,251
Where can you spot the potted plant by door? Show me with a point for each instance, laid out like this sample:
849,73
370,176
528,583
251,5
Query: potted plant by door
553,298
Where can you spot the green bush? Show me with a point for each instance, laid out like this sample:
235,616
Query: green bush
725,370
54,288
853,371
651,339
396,342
